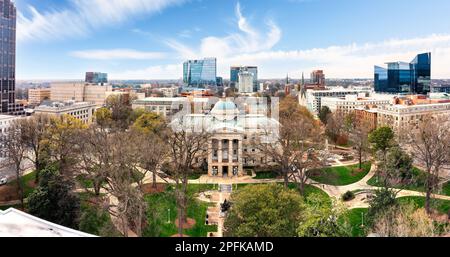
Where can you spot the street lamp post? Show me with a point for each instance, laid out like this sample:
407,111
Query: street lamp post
362,219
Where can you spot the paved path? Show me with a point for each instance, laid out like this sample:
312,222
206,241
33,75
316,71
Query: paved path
360,200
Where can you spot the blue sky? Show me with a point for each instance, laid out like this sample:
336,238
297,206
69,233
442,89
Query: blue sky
149,39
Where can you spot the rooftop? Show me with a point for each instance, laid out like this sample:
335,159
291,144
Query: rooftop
55,105
15,223
7,117
162,99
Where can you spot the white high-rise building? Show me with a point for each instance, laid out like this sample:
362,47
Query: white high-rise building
245,82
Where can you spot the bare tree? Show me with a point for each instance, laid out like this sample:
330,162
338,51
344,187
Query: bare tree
95,151
359,136
430,146
335,126
123,178
185,148
292,149
35,131
153,153
404,220
15,151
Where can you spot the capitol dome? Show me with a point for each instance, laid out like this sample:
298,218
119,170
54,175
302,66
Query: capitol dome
225,110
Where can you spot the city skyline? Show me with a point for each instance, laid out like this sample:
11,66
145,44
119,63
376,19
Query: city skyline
127,41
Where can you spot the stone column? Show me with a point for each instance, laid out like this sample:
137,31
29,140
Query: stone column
240,158
210,156
230,151
219,158
219,152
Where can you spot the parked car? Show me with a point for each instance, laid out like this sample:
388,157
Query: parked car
3,181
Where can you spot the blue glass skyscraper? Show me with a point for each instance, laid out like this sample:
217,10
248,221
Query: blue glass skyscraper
200,72
421,73
96,78
234,75
405,78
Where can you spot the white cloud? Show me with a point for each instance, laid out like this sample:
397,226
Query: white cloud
117,54
352,60
340,61
82,16
248,40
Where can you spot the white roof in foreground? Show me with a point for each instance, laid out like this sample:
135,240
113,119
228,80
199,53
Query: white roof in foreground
15,223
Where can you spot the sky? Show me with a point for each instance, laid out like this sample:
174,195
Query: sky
150,39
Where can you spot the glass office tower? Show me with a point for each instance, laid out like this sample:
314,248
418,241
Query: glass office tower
405,78
234,75
421,73
200,72
96,78
8,56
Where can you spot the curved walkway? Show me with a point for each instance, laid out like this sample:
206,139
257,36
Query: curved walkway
360,200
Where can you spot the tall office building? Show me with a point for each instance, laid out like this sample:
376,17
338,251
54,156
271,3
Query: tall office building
318,78
234,75
246,82
403,77
200,72
7,57
96,78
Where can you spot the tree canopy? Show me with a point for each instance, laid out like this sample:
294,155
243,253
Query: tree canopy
53,200
264,211
382,138
323,114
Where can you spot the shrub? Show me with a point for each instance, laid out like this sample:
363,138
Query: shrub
92,220
348,196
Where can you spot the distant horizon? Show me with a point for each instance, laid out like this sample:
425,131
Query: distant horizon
226,79
180,79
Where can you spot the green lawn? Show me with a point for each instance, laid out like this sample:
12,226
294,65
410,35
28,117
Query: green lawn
442,206
340,176
84,182
158,215
355,217
26,180
418,185
194,176
446,189
309,189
